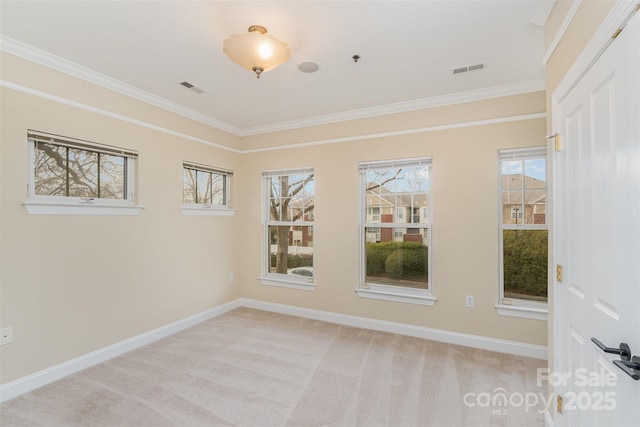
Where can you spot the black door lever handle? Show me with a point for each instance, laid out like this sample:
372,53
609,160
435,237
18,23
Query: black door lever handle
630,368
624,351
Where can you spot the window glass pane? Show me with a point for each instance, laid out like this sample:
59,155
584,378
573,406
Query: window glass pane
400,194
536,169
525,264
291,250
83,173
67,171
397,257
512,210
275,187
274,209
112,177
535,207
203,187
189,186
50,170
524,191
217,189
512,174
413,179
309,199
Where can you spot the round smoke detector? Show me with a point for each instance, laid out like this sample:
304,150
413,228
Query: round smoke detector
308,67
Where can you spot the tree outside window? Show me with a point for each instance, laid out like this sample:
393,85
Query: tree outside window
290,211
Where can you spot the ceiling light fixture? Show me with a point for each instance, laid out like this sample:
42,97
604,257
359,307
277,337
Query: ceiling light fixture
256,51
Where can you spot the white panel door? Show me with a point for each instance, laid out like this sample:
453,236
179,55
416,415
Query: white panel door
597,238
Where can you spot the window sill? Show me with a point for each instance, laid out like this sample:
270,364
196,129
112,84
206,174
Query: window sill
191,210
522,312
48,208
410,296
285,283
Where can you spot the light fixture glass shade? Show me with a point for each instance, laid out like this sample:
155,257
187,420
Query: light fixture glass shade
256,51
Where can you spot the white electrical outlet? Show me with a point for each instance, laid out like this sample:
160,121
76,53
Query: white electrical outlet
230,278
470,300
6,335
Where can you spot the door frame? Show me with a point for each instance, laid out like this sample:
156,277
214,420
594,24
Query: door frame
617,18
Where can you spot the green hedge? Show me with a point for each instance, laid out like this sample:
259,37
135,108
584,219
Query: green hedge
399,260
294,261
525,262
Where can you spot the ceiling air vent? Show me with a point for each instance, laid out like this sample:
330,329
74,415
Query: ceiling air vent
192,87
467,68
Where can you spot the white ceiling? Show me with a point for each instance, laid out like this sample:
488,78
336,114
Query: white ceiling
407,50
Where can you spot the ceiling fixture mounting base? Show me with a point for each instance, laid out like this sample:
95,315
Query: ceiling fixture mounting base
258,71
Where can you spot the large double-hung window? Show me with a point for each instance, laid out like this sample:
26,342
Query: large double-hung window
523,232
289,202
395,230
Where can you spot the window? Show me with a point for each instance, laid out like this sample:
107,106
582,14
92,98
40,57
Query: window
517,213
523,229
73,176
205,190
395,254
373,214
289,204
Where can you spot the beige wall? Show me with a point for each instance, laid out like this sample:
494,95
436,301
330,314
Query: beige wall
74,284
419,119
465,218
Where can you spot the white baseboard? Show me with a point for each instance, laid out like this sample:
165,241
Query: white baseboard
38,379
475,341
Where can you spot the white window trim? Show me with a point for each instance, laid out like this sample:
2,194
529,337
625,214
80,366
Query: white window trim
522,311
396,294
283,280
193,209
515,307
60,208
273,279
378,291
64,205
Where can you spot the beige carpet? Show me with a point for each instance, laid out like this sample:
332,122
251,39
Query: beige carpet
254,368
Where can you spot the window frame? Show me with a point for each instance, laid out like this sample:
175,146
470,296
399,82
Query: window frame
278,279
390,292
39,204
209,209
516,307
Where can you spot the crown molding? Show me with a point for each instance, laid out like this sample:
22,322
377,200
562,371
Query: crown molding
49,60
65,101
401,107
